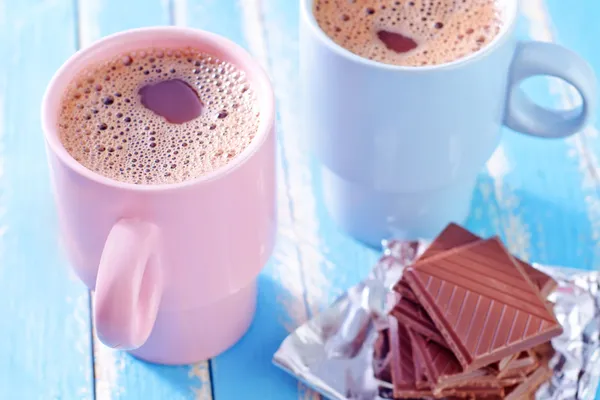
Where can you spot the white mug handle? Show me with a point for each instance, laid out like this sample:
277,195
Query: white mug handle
539,58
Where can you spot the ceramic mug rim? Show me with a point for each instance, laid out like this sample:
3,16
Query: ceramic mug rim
77,62
510,19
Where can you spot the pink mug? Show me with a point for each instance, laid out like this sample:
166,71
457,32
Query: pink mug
173,267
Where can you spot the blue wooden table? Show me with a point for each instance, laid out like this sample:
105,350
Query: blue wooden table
542,197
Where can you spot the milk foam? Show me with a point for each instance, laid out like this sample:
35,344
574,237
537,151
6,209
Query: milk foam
104,126
444,30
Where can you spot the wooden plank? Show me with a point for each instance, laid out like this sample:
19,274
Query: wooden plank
555,21
281,303
574,27
118,375
45,332
535,190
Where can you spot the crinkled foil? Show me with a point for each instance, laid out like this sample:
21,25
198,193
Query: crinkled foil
333,352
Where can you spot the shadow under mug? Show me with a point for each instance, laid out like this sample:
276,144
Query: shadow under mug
173,267
401,147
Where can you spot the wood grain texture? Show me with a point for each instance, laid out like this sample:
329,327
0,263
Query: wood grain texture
45,345
573,27
533,192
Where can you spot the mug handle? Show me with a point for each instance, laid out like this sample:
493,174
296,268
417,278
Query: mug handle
128,286
540,58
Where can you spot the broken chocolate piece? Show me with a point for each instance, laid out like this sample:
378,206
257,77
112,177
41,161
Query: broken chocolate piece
442,369
405,291
482,302
402,367
456,236
414,317
527,389
382,357
520,366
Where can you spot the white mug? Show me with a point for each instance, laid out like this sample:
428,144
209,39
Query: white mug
401,147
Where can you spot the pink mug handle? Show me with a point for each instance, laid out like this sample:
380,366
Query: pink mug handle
129,285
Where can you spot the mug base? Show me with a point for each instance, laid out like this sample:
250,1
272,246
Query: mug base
190,336
371,216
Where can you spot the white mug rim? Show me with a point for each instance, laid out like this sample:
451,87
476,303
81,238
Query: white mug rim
507,28
76,62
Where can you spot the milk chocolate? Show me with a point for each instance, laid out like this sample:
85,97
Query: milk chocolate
404,374
405,291
544,351
482,302
382,357
527,389
519,366
422,381
452,236
473,393
442,369
456,236
402,367
414,317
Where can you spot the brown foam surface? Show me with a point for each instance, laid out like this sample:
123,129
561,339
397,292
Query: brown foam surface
482,302
443,30
106,128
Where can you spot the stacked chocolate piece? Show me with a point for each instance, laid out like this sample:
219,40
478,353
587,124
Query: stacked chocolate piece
471,322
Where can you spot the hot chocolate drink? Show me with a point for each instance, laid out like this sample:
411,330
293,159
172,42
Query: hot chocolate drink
410,32
158,116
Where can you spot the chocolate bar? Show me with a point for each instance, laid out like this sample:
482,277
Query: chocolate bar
422,381
405,291
407,381
473,392
470,323
382,357
452,236
414,317
402,367
456,236
544,351
482,302
519,366
527,389
442,369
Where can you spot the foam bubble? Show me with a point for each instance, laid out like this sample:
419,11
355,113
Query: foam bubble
105,127
432,24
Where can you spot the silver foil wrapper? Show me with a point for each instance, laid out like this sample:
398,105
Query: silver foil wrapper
333,352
